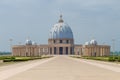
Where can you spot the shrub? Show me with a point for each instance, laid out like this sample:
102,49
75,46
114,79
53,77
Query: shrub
119,59
111,58
116,57
17,60
6,60
12,58
1,58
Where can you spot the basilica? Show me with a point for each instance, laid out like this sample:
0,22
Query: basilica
61,42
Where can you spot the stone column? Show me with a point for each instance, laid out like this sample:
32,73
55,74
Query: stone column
105,51
89,52
52,50
64,50
39,52
102,51
69,51
108,51
57,50
48,50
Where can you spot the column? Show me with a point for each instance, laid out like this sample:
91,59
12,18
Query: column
69,50
64,50
57,50
48,50
52,50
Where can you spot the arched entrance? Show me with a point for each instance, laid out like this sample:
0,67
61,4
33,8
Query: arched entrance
61,50
66,51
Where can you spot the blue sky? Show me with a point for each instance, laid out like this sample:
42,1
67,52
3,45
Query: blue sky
88,19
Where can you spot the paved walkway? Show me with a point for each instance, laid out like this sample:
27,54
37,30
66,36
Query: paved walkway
62,68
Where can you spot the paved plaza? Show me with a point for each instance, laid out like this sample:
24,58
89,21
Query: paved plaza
61,68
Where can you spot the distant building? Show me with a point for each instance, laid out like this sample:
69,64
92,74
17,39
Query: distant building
61,42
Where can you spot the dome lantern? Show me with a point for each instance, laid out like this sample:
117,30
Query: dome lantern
61,20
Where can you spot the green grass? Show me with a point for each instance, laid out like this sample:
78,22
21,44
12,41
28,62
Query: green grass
109,58
8,60
18,59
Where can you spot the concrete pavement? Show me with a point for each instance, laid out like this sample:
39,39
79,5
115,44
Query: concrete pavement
64,68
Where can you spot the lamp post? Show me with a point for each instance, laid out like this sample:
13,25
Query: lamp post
113,46
10,40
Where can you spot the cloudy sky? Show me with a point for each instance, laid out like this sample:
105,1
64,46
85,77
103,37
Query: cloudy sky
88,19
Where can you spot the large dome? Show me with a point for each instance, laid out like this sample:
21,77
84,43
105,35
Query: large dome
61,31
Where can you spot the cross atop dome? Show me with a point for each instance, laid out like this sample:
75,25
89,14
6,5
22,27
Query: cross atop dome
61,20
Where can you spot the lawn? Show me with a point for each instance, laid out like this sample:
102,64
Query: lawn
18,59
108,58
